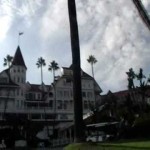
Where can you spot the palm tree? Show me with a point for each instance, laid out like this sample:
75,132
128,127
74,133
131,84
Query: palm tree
131,76
92,60
142,12
40,63
143,85
8,61
79,133
140,76
53,67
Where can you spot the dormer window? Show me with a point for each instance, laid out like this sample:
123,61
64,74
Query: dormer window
22,80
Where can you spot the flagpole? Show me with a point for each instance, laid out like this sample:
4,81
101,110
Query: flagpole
18,39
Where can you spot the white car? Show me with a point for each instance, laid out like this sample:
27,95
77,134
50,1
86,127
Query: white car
94,138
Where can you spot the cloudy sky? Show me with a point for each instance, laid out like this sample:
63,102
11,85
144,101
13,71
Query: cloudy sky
111,31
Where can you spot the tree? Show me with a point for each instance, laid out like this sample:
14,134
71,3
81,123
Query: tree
40,63
131,76
53,67
8,61
79,133
142,12
140,77
92,60
143,84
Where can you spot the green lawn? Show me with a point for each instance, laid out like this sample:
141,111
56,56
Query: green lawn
139,145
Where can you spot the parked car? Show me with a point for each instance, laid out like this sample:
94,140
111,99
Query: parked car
94,138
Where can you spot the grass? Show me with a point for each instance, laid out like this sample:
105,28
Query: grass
139,145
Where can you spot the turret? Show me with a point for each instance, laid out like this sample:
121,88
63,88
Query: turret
18,68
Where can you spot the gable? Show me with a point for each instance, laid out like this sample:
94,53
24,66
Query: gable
4,77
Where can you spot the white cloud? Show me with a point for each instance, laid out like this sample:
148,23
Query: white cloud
5,19
55,19
113,32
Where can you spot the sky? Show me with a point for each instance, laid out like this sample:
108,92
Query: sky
111,31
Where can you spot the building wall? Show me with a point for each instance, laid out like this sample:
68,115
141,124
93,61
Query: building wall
36,108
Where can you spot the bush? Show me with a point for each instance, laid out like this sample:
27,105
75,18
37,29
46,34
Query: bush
141,128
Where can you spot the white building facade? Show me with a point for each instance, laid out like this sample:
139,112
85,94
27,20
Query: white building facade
37,102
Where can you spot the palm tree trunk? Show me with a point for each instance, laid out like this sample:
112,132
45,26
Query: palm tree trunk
41,76
142,12
92,70
54,104
79,134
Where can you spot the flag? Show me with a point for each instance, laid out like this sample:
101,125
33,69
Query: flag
20,33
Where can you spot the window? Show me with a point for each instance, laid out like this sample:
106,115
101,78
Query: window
59,104
14,70
85,105
84,94
17,91
22,80
18,79
21,92
22,70
89,94
63,116
71,93
51,103
60,93
36,116
89,85
66,93
71,103
17,103
18,69
30,96
67,82
22,103
14,92
65,104
49,116
83,85
39,96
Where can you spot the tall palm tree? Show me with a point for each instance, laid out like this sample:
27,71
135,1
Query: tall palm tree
142,12
140,76
79,133
53,67
131,76
8,60
143,85
40,63
92,60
